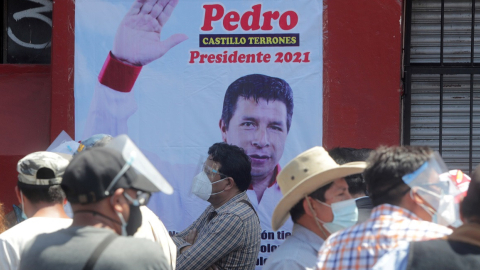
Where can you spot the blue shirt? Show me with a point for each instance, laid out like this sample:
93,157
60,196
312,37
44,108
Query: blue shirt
299,251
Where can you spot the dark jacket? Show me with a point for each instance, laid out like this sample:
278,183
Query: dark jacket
461,250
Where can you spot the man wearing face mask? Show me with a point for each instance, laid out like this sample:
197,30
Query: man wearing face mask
403,211
316,215
105,192
227,234
152,227
42,199
460,250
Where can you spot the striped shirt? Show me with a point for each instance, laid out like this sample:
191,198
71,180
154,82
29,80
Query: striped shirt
228,237
360,246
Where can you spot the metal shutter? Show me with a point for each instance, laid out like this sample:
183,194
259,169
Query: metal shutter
442,79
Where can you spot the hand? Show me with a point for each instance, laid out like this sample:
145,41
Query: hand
137,40
213,267
184,249
191,236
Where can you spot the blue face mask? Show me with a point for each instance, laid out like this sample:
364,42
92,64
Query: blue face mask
345,214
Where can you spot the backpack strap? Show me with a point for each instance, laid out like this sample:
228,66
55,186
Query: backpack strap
251,206
98,251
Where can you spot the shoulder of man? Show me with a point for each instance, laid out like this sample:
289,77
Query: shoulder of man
138,250
285,264
34,226
433,230
242,209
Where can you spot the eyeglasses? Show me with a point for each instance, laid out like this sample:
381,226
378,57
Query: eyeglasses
211,172
142,198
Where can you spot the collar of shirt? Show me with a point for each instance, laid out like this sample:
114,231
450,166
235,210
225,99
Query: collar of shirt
277,170
467,233
305,235
391,211
226,206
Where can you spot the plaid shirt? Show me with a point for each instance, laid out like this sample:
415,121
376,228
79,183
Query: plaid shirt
230,240
360,246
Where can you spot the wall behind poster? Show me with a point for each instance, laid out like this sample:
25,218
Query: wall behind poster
179,103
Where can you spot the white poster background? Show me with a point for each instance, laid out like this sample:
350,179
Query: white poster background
180,104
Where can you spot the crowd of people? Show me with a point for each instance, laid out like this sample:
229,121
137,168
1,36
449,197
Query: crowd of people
400,209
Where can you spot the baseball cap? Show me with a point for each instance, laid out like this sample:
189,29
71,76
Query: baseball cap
93,174
30,165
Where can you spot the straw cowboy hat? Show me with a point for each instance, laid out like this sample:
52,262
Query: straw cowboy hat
306,173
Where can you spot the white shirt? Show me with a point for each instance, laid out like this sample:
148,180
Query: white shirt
13,241
299,251
153,229
270,239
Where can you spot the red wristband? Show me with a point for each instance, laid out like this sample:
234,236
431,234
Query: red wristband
118,75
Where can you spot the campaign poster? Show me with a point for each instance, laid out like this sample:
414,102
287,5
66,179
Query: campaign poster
180,77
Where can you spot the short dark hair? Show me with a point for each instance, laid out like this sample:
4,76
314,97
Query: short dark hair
37,193
385,168
234,163
342,155
471,202
257,86
297,210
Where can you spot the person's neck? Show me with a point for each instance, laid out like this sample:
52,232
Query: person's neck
51,210
261,183
87,217
310,224
223,200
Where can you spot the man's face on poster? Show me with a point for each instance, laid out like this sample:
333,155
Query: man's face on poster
260,128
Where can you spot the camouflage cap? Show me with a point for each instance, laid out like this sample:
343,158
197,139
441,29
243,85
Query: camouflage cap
28,167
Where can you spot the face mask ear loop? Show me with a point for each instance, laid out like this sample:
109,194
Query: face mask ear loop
122,220
217,182
429,212
315,217
23,204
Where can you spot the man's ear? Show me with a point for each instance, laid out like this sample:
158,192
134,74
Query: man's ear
230,184
17,192
223,130
118,200
416,198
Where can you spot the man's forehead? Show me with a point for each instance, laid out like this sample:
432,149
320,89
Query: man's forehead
339,183
211,163
250,108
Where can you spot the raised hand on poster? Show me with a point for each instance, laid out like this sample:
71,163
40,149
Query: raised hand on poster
137,40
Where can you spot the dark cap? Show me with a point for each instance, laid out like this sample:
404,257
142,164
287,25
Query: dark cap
90,173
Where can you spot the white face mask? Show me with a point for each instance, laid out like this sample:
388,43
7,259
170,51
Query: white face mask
446,214
202,187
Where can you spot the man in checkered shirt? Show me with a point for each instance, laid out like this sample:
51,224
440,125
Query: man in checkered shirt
400,214
227,234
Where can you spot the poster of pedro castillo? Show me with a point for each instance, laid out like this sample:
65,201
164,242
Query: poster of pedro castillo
180,75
